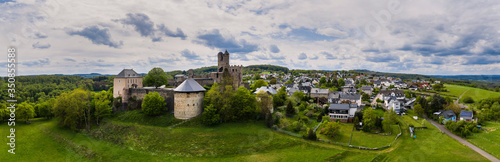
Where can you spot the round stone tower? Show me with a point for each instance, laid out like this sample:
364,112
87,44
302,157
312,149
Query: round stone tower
188,99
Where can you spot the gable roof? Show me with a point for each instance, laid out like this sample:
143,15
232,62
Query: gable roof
448,114
189,85
319,91
266,89
128,73
397,93
466,114
350,96
366,88
341,106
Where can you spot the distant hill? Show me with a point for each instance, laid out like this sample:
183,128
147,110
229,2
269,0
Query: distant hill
486,78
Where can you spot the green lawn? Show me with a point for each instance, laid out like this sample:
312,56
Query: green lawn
342,138
488,140
430,145
371,140
455,90
476,93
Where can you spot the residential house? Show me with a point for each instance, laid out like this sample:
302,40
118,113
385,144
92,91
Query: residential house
367,89
466,116
352,98
348,89
343,112
334,97
394,104
269,90
448,115
319,93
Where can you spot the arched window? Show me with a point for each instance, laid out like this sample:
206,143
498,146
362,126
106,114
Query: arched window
221,69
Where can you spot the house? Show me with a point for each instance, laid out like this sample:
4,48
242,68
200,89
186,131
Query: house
466,116
367,89
343,112
394,104
448,115
399,94
352,98
267,89
319,93
334,97
413,87
348,89
377,84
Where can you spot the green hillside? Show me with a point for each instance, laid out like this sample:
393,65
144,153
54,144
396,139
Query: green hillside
476,93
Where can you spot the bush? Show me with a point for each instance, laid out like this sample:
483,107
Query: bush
468,99
311,135
153,104
210,116
331,129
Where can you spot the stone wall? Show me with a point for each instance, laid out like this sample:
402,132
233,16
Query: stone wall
140,93
188,105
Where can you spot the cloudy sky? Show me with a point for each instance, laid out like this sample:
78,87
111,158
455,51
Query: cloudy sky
104,36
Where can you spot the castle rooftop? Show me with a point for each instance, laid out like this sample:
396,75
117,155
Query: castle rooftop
189,85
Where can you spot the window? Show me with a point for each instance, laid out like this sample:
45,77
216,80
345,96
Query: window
188,104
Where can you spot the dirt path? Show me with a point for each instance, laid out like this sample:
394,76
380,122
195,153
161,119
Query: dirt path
461,140
461,96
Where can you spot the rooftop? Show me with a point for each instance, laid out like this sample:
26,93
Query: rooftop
128,73
189,85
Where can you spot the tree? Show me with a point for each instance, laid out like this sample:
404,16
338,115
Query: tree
72,109
273,81
369,119
102,106
437,87
156,77
227,79
365,97
299,96
341,82
332,129
153,104
418,109
45,109
391,87
256,76
244,103
468,99
280,97
259,83
311,135
437,103
25,111
322,80
210,116
455,108
290,110
265,104
389,120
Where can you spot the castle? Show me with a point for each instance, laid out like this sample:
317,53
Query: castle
187,98
236,72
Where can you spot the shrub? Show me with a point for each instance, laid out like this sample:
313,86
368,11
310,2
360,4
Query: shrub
153,104
311,135
468,99
331,129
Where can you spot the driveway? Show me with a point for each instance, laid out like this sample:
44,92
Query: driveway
461,140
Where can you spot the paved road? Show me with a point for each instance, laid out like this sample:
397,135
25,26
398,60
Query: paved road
461,140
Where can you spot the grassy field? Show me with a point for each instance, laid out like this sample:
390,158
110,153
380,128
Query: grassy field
488,140
116,140
360,138
476,93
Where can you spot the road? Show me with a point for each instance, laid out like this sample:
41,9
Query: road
461,140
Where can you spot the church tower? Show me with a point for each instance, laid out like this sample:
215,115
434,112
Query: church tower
223,59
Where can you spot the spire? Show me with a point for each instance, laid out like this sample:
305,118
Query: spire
226,53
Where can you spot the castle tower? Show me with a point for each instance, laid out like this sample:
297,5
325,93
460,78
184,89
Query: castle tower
223,59
188,99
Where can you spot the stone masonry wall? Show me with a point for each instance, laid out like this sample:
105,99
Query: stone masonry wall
188,105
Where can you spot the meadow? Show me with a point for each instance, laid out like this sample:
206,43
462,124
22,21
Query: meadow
488,140
118,140
475,93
